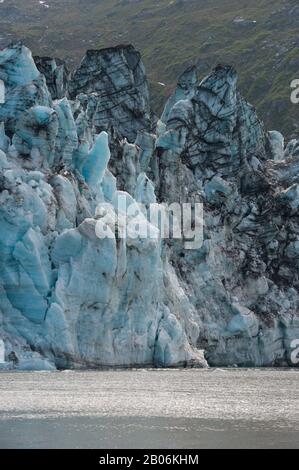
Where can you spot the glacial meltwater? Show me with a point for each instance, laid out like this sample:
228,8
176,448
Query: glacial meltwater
150,409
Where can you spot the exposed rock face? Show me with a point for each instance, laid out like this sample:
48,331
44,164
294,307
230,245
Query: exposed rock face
71,296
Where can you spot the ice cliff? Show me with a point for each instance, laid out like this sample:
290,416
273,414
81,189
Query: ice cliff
68,145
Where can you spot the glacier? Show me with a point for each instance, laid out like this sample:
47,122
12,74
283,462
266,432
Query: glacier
70,145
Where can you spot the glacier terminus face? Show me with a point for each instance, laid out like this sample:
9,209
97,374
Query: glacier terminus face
70,147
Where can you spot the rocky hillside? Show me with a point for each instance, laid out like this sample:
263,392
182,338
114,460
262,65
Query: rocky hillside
72,297
258,37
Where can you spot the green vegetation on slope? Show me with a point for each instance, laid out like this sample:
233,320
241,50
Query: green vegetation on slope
259,37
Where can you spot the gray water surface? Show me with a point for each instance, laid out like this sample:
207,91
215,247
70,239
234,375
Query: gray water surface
216,408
